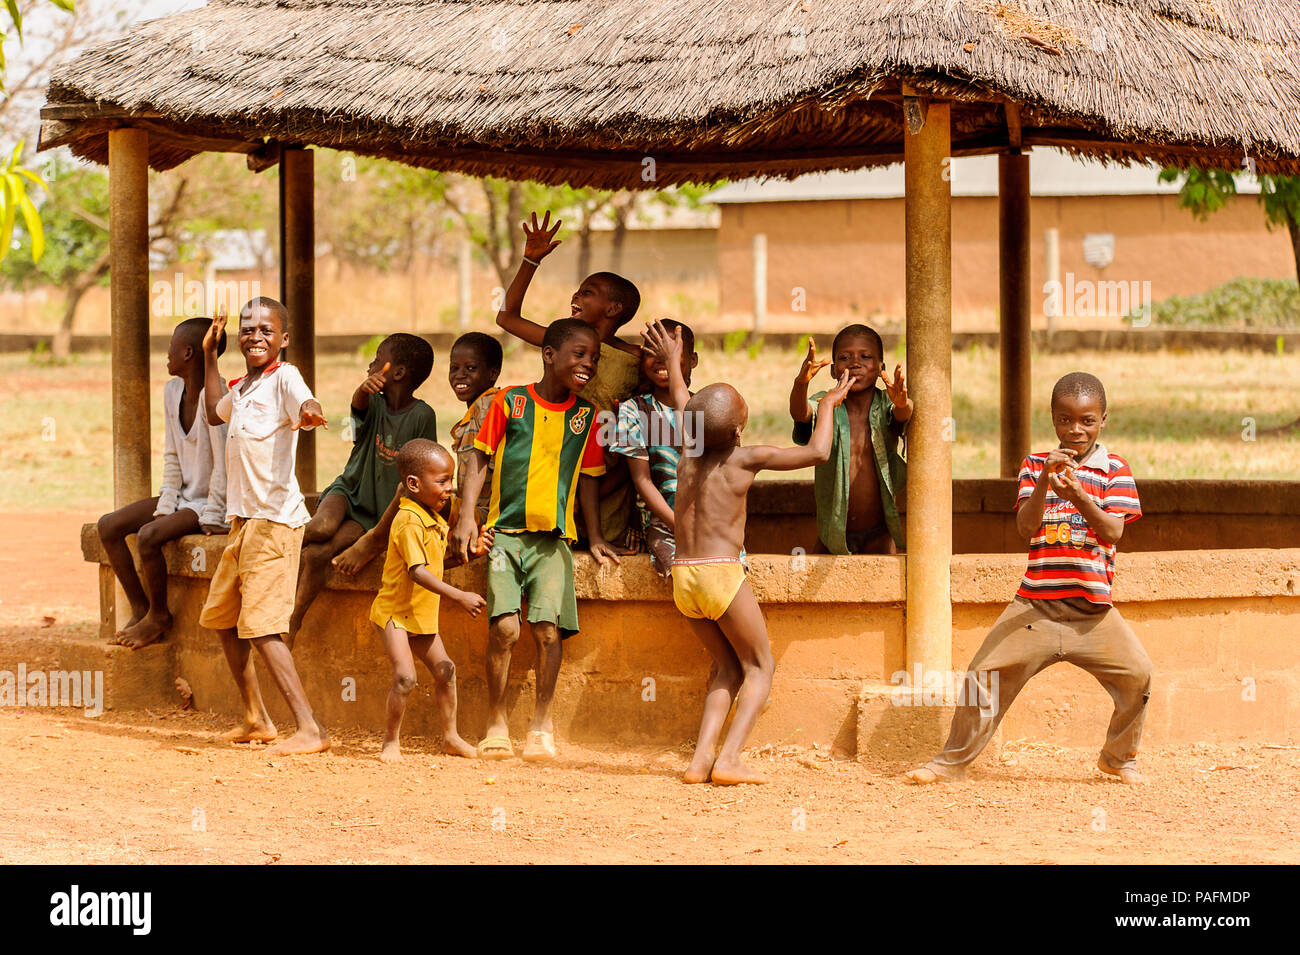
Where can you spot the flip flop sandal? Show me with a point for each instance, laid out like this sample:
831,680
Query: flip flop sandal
496,747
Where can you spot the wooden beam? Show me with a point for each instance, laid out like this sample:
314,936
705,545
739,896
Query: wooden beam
1014,310
298,284
1012,113
88,110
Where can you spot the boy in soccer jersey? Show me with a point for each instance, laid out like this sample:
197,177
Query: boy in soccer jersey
542,440
1072,504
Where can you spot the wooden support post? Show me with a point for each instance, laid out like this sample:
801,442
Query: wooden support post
298,284
1013,314
929,369
128,237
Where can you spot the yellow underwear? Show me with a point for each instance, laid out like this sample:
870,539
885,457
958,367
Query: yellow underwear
705,588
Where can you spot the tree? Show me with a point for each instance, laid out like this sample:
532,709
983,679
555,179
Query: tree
15,180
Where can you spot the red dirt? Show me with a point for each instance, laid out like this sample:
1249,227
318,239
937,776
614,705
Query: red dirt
152,787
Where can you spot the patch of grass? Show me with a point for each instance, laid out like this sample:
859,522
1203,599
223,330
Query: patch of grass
1172,415
1245,302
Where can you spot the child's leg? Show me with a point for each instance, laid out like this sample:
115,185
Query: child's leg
397,644
311,736
727,677
503,634
434,654
1112,653
150,539
1021,643
550,654
329,532
114,528
257,723
746,632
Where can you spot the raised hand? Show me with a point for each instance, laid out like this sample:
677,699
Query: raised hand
836,394
539,240
808,370
213,334
664,345
374,384
897,389
1058,460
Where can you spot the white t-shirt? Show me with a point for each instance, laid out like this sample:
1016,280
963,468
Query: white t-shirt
194,464
261,444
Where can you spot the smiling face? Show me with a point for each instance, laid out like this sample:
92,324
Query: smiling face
591,303
1078,420
261,337
432,483
656,372
573,364
860,357
468,373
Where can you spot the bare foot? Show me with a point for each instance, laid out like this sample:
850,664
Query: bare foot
453,745
304,741
365,550
924,775
247,732
136,616
699,769
391,753
736,773
1128,775
153,626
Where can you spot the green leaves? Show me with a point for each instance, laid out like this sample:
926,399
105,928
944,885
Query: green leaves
14,199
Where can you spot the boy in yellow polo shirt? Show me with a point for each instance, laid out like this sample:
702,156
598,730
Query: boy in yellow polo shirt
406,609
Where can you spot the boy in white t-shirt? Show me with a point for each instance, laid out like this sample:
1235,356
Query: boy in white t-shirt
251,597
192,497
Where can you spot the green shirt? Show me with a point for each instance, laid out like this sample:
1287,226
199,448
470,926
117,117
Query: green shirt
831,481
369,479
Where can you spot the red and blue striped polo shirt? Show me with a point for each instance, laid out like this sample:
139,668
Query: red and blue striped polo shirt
1065,557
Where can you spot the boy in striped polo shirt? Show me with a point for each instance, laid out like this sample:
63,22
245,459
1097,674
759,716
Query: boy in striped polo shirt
1072,504
542,439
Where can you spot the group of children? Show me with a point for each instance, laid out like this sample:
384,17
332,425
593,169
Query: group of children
528,475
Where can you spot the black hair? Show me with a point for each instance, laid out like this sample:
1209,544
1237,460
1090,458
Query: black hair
271,305
417,453
193,330
622,291
1080,384
487,347
688,336
413,353
853,331
562,329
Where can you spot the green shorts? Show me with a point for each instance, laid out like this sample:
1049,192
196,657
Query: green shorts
538,567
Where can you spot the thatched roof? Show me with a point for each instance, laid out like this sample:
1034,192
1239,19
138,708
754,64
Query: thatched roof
584,91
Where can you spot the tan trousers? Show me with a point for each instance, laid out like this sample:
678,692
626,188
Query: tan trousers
1030,636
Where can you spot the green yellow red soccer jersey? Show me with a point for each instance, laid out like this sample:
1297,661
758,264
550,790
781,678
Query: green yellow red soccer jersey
538,449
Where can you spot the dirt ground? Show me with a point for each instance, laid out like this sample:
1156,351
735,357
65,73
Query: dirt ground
151,786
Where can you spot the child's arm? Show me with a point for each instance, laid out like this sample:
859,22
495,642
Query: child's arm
1029,515
371,386
472,603
170,491
486,538
897,392
645,486
213,518
588,497
213,388
538,243
1109,528
668,349
800,410
816,451
466,526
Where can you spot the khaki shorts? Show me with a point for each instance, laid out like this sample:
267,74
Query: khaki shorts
254,585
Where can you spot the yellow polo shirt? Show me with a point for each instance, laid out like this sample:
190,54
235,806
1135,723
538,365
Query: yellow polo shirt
417,537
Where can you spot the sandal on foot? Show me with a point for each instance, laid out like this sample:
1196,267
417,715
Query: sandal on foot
495,747
540,747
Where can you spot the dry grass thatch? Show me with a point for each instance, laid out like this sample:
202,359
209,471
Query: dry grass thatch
587,91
